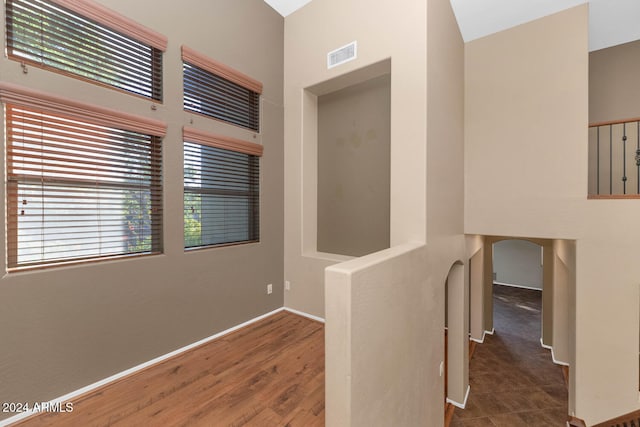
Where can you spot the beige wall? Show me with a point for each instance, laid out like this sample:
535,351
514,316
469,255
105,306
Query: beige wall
353,168
613,83
549,306
457,335
445,194
526,162
377,354
383,32
66,327
475,254
526,104
424,205
564,307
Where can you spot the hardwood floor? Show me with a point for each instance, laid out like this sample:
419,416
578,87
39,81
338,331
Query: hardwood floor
270,373
513,380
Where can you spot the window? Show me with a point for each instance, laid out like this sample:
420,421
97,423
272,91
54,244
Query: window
215,90
221,190
86,40
79,188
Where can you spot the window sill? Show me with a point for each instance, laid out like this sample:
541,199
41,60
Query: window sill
82,262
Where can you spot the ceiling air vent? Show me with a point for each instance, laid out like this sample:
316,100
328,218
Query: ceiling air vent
343,54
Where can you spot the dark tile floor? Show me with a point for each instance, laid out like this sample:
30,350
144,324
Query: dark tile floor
513,380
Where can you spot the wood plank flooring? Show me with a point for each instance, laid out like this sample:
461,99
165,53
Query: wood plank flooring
513,380
270,373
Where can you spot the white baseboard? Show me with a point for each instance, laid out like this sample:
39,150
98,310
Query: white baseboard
303,314
70,396
553,356
556,361
484,333
517,286
463,404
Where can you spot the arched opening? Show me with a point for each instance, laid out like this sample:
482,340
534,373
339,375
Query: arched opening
518,287
526,307
457,336
538,255
476,292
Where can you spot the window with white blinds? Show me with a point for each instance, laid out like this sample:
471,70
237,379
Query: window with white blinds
221,194
77,190
71,37
217,91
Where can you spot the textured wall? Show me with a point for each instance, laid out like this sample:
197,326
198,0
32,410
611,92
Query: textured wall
377,372
526,162
392,37
67,327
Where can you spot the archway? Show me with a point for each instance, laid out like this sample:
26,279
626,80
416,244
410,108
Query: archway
457,322
547,283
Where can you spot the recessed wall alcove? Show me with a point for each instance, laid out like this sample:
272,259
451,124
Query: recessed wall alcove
347,132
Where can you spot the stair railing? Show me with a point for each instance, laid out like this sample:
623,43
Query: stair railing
614,159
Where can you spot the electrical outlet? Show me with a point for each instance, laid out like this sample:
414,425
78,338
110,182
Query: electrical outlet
441,368
269,289
287,285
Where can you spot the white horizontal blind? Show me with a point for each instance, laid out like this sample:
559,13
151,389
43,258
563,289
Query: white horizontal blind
45,34
221,196
77,190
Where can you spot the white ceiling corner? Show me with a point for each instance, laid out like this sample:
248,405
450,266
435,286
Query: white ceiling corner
479,18
286,7
611,22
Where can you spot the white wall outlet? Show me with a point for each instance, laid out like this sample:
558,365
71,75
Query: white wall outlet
287,285
269,289
441,368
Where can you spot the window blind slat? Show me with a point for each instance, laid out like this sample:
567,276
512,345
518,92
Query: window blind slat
212,95
49,35
221,196
116,21
77,190
87,39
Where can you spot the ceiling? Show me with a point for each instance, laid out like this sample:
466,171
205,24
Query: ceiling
611,22
286,7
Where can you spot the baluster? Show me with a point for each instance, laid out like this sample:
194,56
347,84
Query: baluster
638,154
624,158
598,160
610,159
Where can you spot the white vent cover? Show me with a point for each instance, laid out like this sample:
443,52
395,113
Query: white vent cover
343,54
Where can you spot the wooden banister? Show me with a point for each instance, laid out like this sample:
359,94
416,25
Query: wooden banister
613,196
614,122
